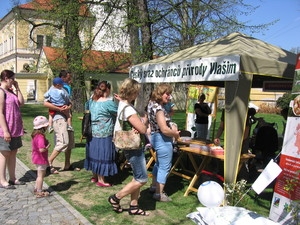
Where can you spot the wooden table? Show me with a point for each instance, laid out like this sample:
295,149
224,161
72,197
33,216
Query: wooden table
206,156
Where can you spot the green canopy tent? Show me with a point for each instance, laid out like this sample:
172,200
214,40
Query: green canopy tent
237,62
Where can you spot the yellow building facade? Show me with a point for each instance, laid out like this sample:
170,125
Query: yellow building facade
21,48
20,54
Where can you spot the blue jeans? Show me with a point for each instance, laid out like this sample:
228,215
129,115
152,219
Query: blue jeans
164,154
137,161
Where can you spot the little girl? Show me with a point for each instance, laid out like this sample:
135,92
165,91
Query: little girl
39,157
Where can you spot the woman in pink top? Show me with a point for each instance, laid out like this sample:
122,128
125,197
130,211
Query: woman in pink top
11,128
40,146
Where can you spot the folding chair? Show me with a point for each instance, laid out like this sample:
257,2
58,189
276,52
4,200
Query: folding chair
151,160
152,157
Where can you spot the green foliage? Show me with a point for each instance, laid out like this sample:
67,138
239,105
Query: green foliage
284,101
289,186
234,192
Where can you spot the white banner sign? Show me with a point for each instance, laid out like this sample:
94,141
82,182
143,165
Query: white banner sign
223,68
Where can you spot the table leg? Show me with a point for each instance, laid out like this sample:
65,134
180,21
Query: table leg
175,165
204,163
194,164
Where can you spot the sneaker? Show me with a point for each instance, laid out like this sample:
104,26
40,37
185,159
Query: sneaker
162,197
70,128
50,130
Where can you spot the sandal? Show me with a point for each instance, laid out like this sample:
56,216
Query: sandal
135,210
36,191
53,170
115,203
42,194
16,182
9,186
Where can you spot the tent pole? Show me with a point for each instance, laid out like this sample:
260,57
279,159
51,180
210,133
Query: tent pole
236,107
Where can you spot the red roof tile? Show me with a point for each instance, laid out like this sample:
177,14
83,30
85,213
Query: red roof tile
47,5
37,4
92,60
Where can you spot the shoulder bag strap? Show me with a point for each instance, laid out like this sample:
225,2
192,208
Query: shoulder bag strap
4,98
122,113
3,92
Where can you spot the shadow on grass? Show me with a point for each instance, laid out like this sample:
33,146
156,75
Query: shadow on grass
79,164
63,186
29,176
174,184
120,177
146,201
261,199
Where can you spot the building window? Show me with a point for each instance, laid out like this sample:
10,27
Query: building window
40,41
43,41
49,41
11,43
5,47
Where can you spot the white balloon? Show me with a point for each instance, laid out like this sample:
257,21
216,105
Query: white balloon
210,194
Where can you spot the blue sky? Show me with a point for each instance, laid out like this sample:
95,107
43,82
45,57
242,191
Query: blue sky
284,34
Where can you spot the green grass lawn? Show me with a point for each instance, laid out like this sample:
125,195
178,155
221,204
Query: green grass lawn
91,201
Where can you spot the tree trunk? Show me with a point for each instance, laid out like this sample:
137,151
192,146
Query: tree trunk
73,47
141,46
147,45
